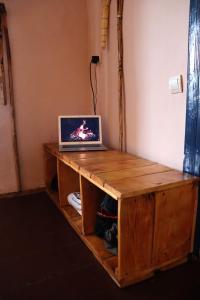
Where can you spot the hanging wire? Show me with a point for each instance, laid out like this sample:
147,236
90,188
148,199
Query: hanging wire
95,85
93,77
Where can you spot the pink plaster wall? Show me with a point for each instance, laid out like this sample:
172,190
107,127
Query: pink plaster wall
155,48
8,181
49,46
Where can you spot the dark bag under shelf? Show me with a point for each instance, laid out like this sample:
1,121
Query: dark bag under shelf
54,184
106,221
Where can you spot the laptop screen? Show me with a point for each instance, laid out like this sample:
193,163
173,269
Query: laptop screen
79,130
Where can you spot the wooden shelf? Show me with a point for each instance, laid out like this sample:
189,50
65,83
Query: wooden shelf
105,257
97,246
73,218
94,243
156,208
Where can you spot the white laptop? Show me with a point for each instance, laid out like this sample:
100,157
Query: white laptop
80,133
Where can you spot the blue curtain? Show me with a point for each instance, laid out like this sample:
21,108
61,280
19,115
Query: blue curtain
192,131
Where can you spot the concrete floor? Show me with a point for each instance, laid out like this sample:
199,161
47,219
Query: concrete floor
42,258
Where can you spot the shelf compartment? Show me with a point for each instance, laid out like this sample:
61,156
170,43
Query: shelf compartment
106,258
68,182
97,247
94,243
91,197
73,218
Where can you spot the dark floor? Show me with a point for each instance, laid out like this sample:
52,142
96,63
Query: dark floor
42,258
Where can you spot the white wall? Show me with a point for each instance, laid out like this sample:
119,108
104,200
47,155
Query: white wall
155,48
49,48
49,44
8,181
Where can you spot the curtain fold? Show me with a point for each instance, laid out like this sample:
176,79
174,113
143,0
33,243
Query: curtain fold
192,132
191,162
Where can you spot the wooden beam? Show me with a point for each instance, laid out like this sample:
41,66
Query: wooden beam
105,23
9,91
121,94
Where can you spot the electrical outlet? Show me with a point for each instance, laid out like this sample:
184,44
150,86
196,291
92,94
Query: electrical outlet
95,60
176,84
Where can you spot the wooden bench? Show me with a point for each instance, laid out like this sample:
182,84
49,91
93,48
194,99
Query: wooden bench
156,208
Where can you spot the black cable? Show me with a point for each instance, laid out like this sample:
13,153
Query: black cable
95,81
93,93
93,86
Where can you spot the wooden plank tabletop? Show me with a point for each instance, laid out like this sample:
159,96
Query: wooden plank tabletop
120,174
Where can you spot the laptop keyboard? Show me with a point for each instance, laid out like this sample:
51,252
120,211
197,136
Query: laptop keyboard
82,148
85,146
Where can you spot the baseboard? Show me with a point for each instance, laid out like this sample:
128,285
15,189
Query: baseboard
22,193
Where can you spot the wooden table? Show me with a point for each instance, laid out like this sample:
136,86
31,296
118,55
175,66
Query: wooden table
156,208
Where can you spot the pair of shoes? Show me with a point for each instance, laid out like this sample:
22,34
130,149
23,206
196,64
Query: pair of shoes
111,235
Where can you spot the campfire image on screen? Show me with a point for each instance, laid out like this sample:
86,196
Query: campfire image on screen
82,133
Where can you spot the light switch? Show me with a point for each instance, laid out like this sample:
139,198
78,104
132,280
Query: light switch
176,84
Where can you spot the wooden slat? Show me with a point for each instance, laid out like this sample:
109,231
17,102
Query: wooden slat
54,149
108,177
196,188
84,162
51,148
111,154
173,263
97,246
129,187
76,159
110,166
135,234
173,223
140,276
71,212
111,263
114,193
73,218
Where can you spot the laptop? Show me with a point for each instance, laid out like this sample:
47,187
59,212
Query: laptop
80,133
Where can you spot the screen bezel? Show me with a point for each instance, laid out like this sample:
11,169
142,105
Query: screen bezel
80,142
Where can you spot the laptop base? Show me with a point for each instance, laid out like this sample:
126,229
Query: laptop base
64,148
